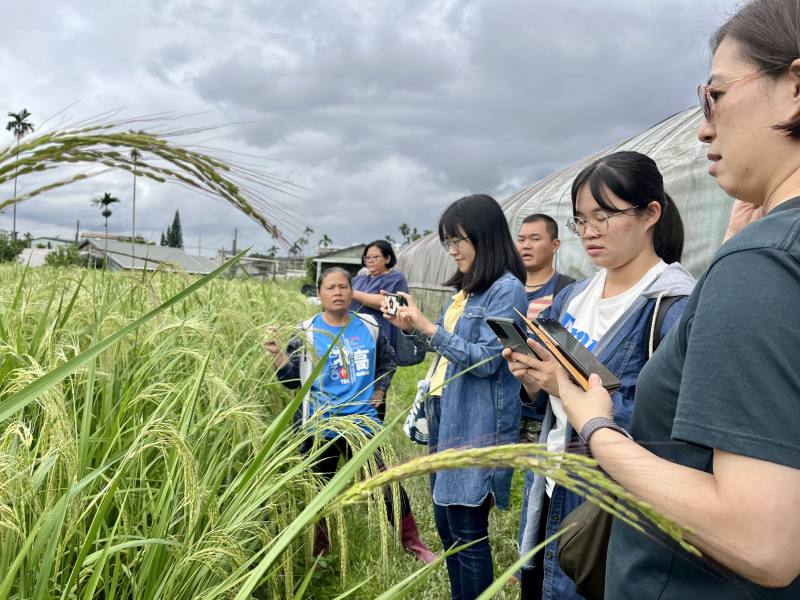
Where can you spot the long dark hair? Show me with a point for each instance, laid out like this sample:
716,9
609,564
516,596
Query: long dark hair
482,220
635,178
768,32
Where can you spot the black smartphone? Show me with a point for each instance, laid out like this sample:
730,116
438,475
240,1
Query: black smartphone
576,353
393,302
510,334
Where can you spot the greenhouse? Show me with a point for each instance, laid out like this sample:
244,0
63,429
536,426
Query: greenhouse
672,143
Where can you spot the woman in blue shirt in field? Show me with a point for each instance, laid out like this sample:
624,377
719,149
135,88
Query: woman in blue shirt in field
379,260
352,383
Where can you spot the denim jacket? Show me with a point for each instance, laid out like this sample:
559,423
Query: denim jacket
622,350
481,407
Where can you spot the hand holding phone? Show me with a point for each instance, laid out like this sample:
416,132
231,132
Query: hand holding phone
410,318
510,334
571,354
536,369
393,302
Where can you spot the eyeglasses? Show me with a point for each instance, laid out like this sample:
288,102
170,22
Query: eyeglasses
373,258
453,244
598,221
707,92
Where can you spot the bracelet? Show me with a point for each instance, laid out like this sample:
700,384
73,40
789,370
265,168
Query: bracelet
595,424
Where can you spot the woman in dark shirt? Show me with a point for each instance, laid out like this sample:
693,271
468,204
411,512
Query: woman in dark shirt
379,260
717,407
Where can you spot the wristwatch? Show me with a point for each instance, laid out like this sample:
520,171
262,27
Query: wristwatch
596,423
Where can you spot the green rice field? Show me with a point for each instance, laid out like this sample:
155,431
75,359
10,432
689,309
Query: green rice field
151,470
146,451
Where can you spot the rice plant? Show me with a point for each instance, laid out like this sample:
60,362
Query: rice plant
147,451
148,146
118,480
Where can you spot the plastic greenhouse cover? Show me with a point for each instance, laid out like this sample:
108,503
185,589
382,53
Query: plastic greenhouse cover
681,157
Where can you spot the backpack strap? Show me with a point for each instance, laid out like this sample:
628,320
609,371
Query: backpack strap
660,310
306,332
562,281
371,324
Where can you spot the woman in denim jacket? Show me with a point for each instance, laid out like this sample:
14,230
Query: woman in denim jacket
630,228
474,399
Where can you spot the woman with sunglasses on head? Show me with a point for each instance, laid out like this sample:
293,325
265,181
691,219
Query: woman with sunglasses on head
474,399
632,231
718,405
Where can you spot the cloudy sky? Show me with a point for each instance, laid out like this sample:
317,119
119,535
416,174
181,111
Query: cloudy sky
382,112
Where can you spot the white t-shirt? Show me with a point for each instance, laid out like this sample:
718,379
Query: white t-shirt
588,317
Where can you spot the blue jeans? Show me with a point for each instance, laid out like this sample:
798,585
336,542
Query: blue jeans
471,570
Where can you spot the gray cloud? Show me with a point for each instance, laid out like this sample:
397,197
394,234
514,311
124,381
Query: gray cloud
383,111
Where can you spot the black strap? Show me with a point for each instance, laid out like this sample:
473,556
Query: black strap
657,322
561,282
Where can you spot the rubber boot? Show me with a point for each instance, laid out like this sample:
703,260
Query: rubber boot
409,537
321,541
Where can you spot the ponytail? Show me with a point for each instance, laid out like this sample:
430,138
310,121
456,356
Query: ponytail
668,232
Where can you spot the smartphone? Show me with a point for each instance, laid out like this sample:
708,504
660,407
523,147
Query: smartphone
510,334
576,353
393,302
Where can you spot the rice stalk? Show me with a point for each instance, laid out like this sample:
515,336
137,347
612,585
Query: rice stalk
575,472
107,145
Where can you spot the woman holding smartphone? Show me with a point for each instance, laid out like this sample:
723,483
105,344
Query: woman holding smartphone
379,260
474,399
632,231
717,407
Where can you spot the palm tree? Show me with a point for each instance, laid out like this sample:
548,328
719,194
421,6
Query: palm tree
296,249
325,241
104,202
19,126
135,155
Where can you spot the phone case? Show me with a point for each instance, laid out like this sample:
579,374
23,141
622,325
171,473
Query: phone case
573,367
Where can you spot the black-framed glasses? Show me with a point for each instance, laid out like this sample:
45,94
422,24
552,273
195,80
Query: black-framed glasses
373,258
598,220
452,244
706,92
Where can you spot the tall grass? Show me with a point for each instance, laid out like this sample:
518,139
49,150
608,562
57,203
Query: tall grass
114,482
147,451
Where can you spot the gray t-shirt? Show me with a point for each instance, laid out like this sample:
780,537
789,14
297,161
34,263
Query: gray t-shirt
727,376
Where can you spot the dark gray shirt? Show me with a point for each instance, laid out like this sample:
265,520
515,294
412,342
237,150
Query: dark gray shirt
727,376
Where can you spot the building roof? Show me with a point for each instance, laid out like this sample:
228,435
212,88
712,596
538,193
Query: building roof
343,256
680,156
149,257
33,257
52,239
